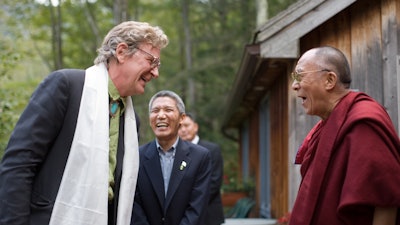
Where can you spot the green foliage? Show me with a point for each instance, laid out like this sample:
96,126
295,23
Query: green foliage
8,58
276,6
13,91
233,184
13,98
8,53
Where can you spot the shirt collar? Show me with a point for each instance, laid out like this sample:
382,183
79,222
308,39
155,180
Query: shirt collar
173,148
114,94
196,139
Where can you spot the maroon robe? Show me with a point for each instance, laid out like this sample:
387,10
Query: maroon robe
350,164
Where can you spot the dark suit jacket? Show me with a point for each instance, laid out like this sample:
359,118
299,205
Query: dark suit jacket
188,190
215,213
34,160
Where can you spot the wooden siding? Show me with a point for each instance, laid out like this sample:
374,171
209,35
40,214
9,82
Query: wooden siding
279,146
366,49
390,56
254,155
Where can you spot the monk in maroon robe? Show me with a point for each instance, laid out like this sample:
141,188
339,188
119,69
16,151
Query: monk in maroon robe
350,160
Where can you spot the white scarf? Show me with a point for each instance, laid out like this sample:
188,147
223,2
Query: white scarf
82,198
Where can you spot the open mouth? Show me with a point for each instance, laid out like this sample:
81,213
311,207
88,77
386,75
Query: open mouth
303,99
159,125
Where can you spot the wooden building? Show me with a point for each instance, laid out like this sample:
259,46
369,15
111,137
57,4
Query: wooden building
262,111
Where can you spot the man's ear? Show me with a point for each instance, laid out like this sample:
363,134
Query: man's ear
120,52
331,80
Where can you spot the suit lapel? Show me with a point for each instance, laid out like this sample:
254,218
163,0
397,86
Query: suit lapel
181,164
152,167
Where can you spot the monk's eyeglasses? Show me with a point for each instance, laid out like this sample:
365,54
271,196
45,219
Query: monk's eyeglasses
155,61
296,76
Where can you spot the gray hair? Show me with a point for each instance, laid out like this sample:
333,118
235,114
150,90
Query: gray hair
133,34
166,93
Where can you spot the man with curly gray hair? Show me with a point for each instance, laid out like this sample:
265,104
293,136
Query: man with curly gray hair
73,156
130,41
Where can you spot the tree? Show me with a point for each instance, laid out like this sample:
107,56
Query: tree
262,12
56,30
187,47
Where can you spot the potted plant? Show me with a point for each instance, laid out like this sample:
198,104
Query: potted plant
233,189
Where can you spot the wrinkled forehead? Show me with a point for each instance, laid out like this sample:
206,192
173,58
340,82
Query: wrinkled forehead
164,101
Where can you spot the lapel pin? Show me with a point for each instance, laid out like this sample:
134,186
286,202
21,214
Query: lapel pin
183,165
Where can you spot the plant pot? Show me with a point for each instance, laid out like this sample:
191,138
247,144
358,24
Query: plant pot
230,198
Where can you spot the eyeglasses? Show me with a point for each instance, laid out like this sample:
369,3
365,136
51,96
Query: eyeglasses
298,75
155,61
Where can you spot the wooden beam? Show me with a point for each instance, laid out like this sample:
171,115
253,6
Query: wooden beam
305,18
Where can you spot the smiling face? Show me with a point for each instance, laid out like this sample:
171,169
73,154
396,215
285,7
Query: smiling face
130,74
311,88
165,119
